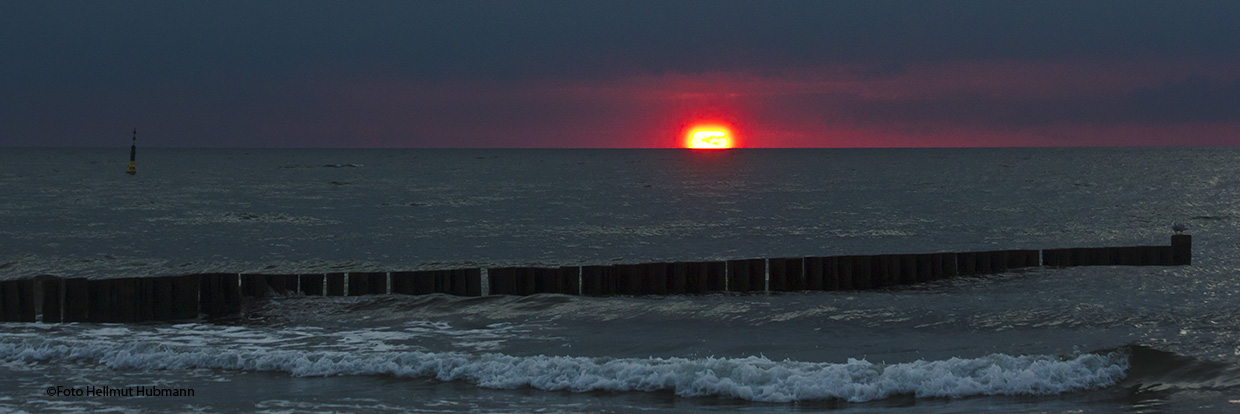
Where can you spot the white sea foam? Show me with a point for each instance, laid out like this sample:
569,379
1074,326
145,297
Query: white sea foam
752,378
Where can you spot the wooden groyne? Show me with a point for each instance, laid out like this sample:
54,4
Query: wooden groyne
215,295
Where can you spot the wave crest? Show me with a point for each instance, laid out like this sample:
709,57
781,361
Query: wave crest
751,378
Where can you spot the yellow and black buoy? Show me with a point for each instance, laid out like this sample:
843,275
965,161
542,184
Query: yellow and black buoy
133,150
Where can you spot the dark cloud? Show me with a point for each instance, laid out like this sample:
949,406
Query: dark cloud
106,40
237,67
1192,100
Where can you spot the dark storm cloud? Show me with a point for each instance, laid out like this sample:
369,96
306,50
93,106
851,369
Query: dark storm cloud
1191,100
109,40
229,68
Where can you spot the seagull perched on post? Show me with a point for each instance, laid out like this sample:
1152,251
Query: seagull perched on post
1178,227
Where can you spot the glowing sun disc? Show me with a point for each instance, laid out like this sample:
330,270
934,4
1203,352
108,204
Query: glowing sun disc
713,138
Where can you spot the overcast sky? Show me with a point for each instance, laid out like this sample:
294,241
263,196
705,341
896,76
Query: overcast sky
619,73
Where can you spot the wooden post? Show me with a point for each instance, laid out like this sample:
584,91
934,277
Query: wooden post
269,283
77,300
25,289
526,282
1078,256
10,301
778,274
423,283
378,283
1014,259
844,271
894,269
1057,257
1147,255
1165,254
628,279
5,301
1026,258
311,284
716,276
814,273
787,274
1018,259
230,285
796,274
655,277
882,268
335,284
592,280
449,282
908,269
938,266
966,263
1130,256
522,282
757,275
185,297
473,281
100,291
502,281
984,263
253,285
1127,256
830,273
925,266
545,280
861,273
1100,256
695,277
161,298
611,281
442,280
1048,257
125,296
570,280
638,279
1069,257
367,283
280,284
359,284
678,283
950,265
738,276
1088,257
18,298
998,261
221,294
144,299
292,283
1114,255
53,298
402,283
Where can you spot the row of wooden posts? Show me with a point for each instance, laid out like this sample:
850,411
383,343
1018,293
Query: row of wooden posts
214,295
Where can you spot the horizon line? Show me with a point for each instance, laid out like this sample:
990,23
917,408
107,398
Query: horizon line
628,148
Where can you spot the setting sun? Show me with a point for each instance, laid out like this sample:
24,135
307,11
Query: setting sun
709,138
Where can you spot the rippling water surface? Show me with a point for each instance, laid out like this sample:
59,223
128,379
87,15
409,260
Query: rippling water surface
1097,339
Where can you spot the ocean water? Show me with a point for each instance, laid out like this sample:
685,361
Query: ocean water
1087,339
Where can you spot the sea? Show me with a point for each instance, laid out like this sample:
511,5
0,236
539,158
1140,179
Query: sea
1098,339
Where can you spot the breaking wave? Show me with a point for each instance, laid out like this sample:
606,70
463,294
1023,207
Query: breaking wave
752,378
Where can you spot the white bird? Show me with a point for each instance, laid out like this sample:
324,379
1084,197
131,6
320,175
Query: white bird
1179,227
